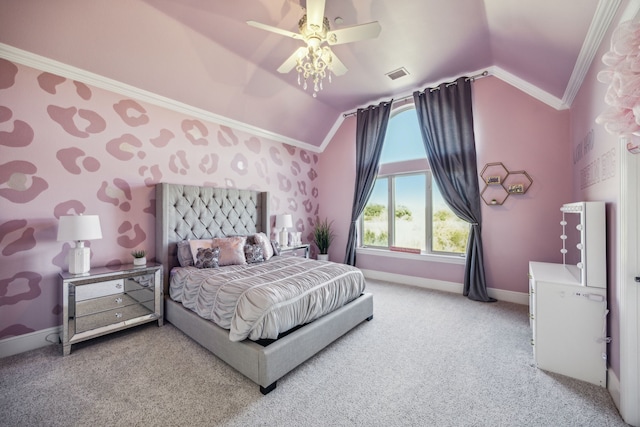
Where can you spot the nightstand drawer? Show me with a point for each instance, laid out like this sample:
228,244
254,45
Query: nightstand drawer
296,252
97,305
99,289
109,317
299,251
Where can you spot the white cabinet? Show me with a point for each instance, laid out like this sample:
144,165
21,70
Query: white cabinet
568,301
568,323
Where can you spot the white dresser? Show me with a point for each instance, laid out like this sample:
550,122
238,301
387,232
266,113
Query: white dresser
568,302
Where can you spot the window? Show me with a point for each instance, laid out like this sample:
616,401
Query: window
406,209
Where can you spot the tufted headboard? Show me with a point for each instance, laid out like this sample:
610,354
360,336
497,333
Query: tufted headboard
192,212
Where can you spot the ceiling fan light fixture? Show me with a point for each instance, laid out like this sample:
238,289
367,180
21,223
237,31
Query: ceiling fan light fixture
314,67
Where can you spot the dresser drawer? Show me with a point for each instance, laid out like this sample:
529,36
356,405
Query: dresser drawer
136,283
109,317
99,289
97,305
143,296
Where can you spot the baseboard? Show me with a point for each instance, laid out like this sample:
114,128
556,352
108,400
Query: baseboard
613,385
30,341
441,285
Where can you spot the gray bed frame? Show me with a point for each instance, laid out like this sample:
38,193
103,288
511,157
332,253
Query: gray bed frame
191,212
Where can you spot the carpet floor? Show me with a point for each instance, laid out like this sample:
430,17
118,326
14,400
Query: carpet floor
427,358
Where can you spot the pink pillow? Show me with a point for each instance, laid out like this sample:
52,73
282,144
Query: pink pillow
265,244
231,250
197,244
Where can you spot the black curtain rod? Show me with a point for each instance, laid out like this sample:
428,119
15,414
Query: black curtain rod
472,78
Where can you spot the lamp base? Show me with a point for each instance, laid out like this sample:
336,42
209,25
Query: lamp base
284,238
79,260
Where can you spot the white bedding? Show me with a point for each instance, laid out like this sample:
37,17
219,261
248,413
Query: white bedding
260,301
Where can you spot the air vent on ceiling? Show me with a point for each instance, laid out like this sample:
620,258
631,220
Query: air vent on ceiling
396,74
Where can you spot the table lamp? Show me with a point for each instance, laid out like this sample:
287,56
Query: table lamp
283,222
79,228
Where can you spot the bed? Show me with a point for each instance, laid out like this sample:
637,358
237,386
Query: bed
191,212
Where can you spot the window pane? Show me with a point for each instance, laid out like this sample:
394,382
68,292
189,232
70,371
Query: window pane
375,222
450,233
402,140
409,213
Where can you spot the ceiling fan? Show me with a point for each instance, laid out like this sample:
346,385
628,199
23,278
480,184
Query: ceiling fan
315,61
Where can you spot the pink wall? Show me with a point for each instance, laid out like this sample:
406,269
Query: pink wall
66,148
337,173
524,134
511,127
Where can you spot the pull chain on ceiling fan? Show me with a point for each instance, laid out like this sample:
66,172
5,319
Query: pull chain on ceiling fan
314,61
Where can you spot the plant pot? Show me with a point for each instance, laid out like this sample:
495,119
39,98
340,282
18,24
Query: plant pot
323,257
140,261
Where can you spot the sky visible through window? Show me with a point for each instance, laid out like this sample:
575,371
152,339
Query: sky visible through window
404,142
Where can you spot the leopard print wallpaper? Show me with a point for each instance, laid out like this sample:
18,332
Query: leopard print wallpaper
70,148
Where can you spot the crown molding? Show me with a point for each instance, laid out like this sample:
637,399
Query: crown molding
527,88
605,12
64,70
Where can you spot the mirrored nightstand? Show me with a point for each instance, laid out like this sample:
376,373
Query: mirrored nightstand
298,250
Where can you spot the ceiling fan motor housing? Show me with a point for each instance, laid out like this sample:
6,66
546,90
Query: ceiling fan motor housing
313,31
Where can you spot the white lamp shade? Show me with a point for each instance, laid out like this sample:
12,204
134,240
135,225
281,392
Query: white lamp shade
284,221
79,227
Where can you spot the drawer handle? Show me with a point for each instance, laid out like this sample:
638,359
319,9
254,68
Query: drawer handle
119,300
118,315
119,286
532,342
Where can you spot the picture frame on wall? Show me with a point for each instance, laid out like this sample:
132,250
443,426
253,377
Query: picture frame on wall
516,188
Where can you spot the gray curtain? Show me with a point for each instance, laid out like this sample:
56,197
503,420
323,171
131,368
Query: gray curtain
446,122
371,128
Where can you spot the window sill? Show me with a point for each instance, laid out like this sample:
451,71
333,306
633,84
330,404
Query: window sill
447,259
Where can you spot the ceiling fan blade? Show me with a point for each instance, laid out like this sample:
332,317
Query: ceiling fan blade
315,14
337,67
291,61
276,30
354,33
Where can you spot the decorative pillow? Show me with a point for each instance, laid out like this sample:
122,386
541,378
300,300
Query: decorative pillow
262,240
231,250
185,259
207,258
253,254
196,244
276,247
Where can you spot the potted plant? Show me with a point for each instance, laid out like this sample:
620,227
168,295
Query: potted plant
139,257
322,237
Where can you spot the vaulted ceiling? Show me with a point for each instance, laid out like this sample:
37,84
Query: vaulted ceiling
202,57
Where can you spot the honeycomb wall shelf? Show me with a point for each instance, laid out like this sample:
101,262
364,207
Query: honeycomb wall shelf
500,183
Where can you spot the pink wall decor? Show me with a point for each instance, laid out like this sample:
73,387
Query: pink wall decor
69,148
622,116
